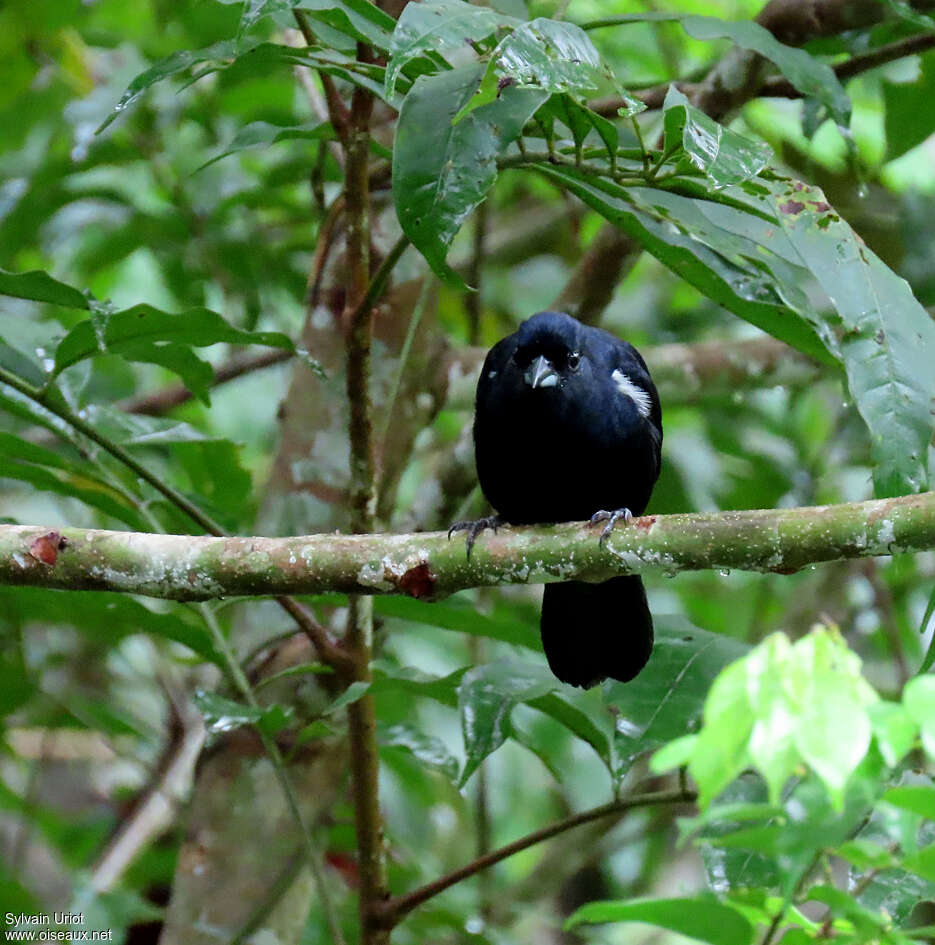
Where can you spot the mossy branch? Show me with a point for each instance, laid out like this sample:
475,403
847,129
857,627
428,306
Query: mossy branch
429,566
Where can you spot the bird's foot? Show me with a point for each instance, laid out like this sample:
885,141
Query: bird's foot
474,528
611,518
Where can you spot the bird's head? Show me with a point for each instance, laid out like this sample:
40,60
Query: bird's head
548,349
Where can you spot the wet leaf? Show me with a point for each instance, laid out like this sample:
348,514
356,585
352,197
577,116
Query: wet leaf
698,918
886,335
812,77
442,172
724,156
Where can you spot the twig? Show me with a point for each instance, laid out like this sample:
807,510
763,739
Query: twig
390,912
472,300
157,807
337,110
780,87
160,402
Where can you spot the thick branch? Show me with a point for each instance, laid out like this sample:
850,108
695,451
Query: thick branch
427,565
683,373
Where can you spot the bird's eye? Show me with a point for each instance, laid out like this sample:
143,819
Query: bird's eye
574,359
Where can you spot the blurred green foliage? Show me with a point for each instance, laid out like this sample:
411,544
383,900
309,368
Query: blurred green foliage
199,205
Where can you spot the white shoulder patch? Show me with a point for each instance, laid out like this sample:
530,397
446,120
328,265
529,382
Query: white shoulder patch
633,391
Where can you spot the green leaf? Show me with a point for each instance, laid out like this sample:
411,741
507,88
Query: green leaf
580,121
561,707
353,692
262,133
462,616
724,156
699,918
544,54
39,286
910,118
916,798
865,854
781,706
428,749
919,700
841,903
886,339
724,253
894,730
106,617
436,28
224,715
441,172
443,689
172,65
51,472
904,10
144,333
257,58
358,19
486,698
667,697
813,78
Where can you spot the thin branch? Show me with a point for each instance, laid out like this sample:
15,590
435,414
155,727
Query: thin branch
337,110
427,565
160,402
779,87
61,410
775,87
390,912
683,373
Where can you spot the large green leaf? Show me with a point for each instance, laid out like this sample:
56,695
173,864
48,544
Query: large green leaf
255,58
359,19
487,696
107,617
779,707
436,28
39,286
428,749
719,250
910,118
260,133
667,697
441,172
47,471
813,78
144,333
459,614
702,919
724,156
544,54
887,339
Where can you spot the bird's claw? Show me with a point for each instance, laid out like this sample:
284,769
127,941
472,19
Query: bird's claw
474,527
602,515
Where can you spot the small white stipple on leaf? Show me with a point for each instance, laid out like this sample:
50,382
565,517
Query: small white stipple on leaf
633,391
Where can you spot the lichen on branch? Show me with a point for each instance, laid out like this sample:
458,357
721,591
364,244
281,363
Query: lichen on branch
429,566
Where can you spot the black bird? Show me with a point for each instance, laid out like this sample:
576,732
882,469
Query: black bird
568,426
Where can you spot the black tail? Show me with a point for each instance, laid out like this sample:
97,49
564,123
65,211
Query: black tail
592,631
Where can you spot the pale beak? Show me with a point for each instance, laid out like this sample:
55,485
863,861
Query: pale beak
541,373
